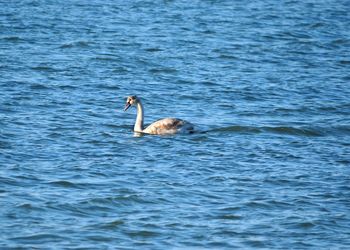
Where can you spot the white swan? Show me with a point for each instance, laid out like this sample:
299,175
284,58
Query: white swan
160,127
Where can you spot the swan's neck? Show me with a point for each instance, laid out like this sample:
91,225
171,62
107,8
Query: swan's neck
139,118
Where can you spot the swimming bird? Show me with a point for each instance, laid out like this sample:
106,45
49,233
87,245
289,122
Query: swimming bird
160,127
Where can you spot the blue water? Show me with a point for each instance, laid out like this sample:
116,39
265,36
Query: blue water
267,85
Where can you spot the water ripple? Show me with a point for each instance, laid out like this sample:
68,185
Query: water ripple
279,130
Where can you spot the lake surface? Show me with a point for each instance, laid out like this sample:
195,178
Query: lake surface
267,85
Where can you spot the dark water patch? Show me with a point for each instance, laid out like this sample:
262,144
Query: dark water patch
40,238
60,103
208,83
153,49
110,225
107,58
257,204
13,39
340,130
283,181
38,86
341,41
100,238
97,206
228,57
120,69
344,62
77,44
27,207
4,144
208,32
229,217
316,25
67,87
229,209
45,68
346,78
142,234
65,184
278,204
306,225
107,86
344,162
163,71
8,181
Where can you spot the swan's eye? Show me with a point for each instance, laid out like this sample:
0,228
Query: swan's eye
131,100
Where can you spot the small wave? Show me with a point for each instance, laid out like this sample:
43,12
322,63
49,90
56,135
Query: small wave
10,181
316,25
239,129
80,44
111,225
12,39
42,237
163,70
142,233
208,83
153,49
107,86
38,86
62,183
306,224
257,204
29,207
344,62
44,68
229,217
293,131
120,69
5,144
276,130
105,58
340,41
67,87
228,57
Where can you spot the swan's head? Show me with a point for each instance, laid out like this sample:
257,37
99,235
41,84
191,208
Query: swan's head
131,100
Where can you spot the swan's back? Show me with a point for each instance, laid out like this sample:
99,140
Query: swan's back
169,126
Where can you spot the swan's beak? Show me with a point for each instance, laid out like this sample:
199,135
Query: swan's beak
127,105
